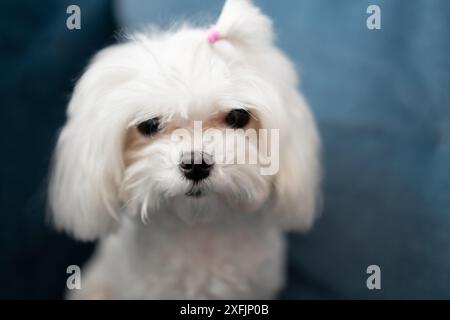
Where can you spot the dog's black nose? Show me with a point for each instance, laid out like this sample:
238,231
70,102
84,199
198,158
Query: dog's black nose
196,165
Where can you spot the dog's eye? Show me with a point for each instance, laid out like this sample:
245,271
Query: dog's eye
237,118
149,127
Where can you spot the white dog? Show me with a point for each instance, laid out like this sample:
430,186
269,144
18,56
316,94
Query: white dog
195,227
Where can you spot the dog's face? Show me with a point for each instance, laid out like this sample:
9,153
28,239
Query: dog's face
171,120
194,162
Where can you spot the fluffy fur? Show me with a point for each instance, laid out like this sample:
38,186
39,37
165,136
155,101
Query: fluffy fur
110,183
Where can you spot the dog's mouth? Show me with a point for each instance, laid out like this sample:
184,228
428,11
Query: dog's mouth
196,191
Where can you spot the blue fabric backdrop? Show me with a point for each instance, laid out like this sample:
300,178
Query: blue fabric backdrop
381,99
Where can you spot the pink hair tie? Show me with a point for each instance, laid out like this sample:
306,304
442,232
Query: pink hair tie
213,35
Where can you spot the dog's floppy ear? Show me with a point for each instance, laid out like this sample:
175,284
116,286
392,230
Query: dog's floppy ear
87,163
243,24
297,184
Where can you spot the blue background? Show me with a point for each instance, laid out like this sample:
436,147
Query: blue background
381,99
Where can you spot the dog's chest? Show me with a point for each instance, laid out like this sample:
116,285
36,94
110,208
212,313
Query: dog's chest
208,260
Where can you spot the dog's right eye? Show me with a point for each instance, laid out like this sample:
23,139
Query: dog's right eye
149,127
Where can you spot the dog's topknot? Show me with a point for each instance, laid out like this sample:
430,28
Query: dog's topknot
243,24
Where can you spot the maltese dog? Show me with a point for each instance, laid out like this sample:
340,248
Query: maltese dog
188,153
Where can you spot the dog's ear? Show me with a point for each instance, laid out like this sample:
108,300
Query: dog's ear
297,183
87,163
244,25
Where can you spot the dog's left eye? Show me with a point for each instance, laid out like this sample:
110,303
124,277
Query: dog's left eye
237,118
149,127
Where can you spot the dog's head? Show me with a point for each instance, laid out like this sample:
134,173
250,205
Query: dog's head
189,120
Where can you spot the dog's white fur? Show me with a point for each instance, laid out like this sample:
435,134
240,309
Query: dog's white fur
155,241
